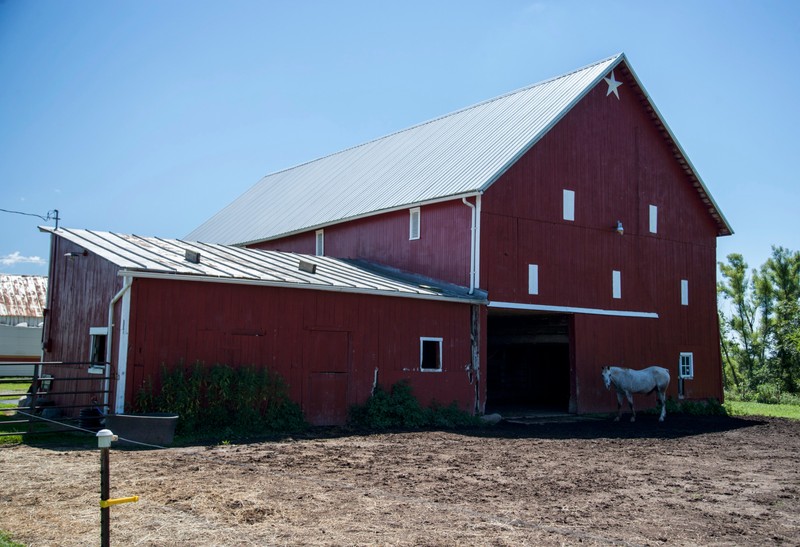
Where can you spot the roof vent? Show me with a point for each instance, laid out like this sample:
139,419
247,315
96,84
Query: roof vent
307,267
192,256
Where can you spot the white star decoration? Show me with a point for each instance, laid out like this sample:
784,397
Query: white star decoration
613,84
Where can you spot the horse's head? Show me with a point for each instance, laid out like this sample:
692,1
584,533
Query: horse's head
607,377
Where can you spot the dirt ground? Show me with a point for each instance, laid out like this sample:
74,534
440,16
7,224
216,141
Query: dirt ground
688,481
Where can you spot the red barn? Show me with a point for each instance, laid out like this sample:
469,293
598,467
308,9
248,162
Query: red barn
332,328
570,202
561,228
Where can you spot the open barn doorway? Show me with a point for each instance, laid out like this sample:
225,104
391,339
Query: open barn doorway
528,363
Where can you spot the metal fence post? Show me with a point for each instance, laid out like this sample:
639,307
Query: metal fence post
104,438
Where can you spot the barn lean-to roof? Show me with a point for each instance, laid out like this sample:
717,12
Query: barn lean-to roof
154,257
457,155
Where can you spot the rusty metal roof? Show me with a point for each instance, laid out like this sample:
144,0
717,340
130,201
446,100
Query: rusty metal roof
457,155
22,296
139,256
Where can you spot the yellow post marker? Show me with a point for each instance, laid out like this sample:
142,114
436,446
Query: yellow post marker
117,501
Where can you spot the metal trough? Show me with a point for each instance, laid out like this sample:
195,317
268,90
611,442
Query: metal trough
155,428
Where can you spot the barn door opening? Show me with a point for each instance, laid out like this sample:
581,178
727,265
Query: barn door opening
528,363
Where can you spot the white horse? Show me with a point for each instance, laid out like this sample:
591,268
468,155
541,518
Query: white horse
629,381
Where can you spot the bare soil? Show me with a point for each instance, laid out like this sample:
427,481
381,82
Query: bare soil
688,481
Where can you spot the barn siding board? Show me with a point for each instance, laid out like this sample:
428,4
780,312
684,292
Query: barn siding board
610,153
441,252
301,329
80,289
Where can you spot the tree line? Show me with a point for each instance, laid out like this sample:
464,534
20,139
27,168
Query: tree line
759,319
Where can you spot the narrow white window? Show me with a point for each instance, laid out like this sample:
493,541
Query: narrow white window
569,205
320,249
684,292
97,349
533,279
653,219
97,344
413,223
430,354
685,372
616,284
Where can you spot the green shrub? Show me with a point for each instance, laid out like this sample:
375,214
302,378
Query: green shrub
709,407
399,408
768,394
223,400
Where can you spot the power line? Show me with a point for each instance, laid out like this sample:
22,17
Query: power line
51,215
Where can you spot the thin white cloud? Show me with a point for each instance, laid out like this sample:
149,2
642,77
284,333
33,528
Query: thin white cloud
16,258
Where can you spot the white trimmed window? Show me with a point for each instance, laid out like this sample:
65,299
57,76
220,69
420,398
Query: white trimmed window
569,205
430,354
413,223
686,366
684,292
616,284
97,344
320,248
685,372
533,279
653,219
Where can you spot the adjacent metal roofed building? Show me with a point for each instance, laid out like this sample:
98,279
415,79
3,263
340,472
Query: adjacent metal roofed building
457,155
155,257
22,299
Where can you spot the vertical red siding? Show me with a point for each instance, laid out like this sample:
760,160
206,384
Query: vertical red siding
81,289
326,345
611,155
441,252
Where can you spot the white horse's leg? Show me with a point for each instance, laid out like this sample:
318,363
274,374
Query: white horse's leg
663,397
619,407
629,395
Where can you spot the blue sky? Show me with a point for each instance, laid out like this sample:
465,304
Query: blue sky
148,117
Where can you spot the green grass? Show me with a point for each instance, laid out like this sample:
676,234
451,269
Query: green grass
742,408
11,392
6,541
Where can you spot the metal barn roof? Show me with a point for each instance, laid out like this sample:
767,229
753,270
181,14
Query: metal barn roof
456,155
22,296
177,259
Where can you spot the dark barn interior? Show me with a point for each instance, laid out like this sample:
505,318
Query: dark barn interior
528,363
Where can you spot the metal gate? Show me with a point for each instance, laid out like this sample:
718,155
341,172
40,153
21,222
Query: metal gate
59,396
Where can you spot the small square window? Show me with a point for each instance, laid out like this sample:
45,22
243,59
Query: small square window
430,354
320,248
413,223
569,205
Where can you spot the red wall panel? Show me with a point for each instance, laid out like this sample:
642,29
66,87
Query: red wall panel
80,288
306,336
612,156
441,252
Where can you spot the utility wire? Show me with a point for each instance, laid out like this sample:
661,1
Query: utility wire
51,215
